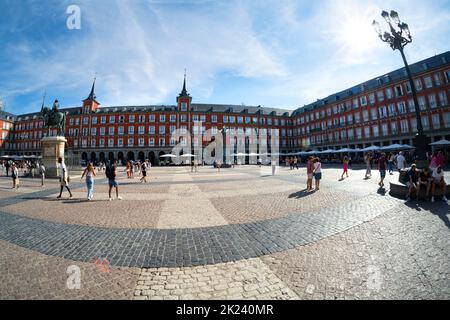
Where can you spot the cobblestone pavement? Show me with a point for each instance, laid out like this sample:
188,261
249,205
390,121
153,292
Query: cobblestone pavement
237,234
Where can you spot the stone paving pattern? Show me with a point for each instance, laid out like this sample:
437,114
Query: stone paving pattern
266,239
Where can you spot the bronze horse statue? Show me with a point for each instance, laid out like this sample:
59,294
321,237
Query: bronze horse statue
54,118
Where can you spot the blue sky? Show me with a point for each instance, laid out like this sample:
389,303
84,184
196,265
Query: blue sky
274,53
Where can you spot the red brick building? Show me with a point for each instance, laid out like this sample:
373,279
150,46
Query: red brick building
379,111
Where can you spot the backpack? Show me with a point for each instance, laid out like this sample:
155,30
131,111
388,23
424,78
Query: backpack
110,172
405,178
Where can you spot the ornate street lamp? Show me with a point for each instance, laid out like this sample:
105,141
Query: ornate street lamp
398,38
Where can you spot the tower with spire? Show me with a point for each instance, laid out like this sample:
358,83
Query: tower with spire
184,99
90,104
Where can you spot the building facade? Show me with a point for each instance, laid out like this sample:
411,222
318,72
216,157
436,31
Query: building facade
378,112
6,129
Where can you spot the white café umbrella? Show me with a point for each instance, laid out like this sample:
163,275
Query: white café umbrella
168,156
328,151
371,148
253,154
407,146
188,155
394,146
442,142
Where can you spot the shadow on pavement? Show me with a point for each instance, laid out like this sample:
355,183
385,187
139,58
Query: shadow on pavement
439,208
381,191
301,194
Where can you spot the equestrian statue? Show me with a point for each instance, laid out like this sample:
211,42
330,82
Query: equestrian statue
54,118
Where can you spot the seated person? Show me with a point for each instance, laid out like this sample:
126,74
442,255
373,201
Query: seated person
424,180
438,179
412,178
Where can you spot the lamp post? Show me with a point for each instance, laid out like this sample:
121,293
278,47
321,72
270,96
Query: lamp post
397,39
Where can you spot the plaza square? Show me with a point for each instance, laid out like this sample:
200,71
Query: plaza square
224,150
234,234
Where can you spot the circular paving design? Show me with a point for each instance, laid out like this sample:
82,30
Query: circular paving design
184,219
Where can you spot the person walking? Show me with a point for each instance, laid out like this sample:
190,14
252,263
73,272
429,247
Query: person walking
391,163
131,169
345,164
401,161
295,164
309,173
317,172
368,161
144,171
218,164
64,178
382,166
438,179
128,168
111,173
7,166
15,176
42,173
90,173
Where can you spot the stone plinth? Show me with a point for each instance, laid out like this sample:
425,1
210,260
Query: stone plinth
52,149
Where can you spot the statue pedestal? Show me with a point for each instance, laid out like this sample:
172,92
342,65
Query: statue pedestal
52,149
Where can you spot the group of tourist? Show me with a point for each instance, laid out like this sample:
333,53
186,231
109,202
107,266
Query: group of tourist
428,178
292,162
26,168
388,162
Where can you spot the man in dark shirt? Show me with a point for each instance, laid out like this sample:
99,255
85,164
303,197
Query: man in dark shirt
424,180
382,166
412,178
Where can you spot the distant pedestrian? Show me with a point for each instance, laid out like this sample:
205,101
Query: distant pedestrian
90,173
64,178
433,161
218,164
15,176
391,163
368,161
144,167
345,164
382,166
42,173
128,169
7,166
401,161
111,173
295,163
309,173
317,172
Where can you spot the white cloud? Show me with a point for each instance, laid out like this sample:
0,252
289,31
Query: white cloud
140,49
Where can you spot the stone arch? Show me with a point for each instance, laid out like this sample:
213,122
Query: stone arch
111,156
141,156
102,156
130,155
151,157
93,157
120,157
